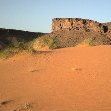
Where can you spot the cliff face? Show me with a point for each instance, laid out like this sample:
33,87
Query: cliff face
78,24
71,31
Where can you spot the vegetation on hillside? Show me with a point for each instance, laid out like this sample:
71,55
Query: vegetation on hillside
85,41
16,47
50,42
45,43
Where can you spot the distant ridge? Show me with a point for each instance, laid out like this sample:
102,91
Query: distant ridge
6,36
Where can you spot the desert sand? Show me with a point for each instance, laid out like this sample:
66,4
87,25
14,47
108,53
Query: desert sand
68,79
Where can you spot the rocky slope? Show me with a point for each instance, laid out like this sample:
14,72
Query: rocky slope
7,35
70,31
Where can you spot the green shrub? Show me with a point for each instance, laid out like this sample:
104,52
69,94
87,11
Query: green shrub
16,47
46,41
88,41
8,52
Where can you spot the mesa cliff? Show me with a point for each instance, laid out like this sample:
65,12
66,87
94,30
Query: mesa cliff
79,24
70,31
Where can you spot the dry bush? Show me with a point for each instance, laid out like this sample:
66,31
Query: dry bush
45,43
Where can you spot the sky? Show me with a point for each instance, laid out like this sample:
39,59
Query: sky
36,15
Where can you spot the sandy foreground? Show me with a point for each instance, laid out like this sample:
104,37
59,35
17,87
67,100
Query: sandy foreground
69,79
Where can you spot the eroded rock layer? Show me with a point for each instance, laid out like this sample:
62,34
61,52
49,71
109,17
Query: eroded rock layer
79,25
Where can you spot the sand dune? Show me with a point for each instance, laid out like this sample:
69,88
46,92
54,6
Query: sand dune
69,79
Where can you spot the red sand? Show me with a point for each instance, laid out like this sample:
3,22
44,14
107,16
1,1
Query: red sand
70,79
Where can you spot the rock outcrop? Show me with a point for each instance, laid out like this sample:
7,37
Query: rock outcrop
71,31
79,24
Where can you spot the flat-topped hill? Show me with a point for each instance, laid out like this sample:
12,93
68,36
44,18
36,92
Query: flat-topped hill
80,25
71,31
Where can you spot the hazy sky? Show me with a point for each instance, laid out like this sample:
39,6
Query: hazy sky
36,15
